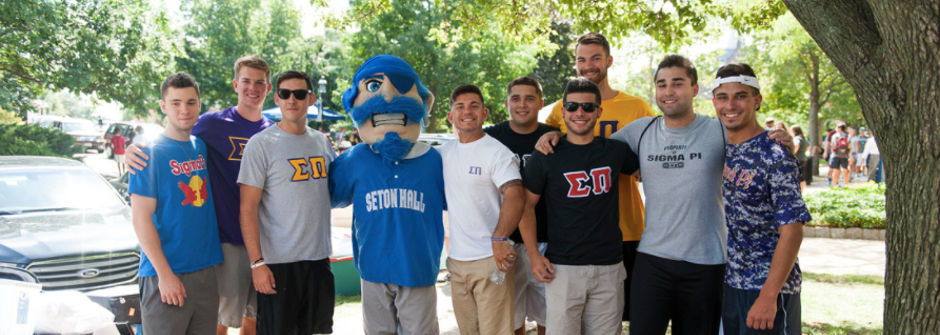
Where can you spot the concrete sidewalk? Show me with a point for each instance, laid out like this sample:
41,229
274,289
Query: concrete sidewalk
842,257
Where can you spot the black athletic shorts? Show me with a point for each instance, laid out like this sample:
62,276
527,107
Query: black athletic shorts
689,294
304,300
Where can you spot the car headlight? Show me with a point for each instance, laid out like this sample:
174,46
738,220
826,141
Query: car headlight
13,272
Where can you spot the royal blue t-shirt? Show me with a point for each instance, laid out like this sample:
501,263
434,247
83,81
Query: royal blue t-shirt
398,228
761,190
184,217
225,134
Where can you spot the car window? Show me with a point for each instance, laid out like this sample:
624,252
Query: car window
55,189
79,127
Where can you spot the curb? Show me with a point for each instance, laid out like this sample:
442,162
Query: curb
854,233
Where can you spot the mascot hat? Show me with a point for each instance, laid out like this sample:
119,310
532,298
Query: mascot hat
398,72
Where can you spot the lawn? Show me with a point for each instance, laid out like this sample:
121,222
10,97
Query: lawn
832,305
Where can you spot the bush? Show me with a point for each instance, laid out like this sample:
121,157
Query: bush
34,140
860,206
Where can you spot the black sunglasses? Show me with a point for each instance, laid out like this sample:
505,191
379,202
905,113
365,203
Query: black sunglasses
588,107
299,94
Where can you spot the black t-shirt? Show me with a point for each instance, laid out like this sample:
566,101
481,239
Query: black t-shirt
579,183
522,145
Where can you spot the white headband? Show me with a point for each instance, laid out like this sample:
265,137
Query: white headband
746,80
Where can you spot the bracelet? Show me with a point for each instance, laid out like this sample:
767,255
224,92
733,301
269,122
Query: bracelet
499,239
257,264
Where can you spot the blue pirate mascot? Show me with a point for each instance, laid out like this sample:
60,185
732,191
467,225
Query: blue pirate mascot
396,187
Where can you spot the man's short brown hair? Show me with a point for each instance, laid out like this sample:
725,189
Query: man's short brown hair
525,80
178,80
594,38
253,62
464,89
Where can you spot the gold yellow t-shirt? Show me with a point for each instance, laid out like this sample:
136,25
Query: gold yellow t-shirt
617,112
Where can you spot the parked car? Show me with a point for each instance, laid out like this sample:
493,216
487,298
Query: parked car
85,132
436,139
64,227
128,130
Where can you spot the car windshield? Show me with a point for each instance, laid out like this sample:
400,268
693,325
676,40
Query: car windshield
48,189
79,127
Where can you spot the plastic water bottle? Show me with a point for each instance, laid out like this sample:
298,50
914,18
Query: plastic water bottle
498,277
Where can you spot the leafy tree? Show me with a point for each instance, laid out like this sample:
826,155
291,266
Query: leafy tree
554,69
424,34
108,47
217,35
889,51
802,84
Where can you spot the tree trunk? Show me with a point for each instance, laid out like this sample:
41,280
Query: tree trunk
814,107
889,51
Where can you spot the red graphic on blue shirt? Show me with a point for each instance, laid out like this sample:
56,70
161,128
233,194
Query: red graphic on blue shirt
195,192
582,184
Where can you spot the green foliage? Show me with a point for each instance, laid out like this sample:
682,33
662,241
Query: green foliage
862,206
791,66
553,70
424,34
34,140
669,22
110,47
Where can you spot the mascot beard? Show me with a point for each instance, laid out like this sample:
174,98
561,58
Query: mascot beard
400,112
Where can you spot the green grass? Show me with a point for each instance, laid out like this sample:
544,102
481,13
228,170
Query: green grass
347,299
844,279
842,304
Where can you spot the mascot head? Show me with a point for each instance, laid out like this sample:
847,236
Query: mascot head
388,104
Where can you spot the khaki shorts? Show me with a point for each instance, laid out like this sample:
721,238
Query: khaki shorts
237,297
480,306
530,293
585,299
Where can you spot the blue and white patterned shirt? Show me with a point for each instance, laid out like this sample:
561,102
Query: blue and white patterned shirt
761,191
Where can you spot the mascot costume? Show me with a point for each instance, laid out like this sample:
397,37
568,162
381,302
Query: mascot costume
396,187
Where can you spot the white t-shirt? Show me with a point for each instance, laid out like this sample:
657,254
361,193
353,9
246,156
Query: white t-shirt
473,173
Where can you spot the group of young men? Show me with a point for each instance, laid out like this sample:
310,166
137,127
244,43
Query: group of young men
215,190
716,241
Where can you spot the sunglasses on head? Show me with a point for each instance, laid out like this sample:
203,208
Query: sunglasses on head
588,107
299,94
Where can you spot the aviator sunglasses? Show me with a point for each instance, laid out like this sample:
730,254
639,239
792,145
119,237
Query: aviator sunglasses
588,107
299,94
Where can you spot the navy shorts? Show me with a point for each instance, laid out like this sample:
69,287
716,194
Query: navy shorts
738,302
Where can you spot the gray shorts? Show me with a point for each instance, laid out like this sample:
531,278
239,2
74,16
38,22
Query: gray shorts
394,309
237,297
198,314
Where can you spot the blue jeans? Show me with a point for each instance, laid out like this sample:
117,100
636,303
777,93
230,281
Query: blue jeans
737,303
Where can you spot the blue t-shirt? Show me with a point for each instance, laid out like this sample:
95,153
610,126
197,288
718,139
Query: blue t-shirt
184,217
398,228
226,133
761,193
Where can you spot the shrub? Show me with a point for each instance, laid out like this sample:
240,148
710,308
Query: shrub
858,206
34,140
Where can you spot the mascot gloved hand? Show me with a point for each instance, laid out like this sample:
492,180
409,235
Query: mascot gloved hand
396,187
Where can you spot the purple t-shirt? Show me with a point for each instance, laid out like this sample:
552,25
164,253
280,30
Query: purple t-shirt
225,134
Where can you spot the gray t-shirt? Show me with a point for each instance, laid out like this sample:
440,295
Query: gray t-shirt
681,170
294,214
